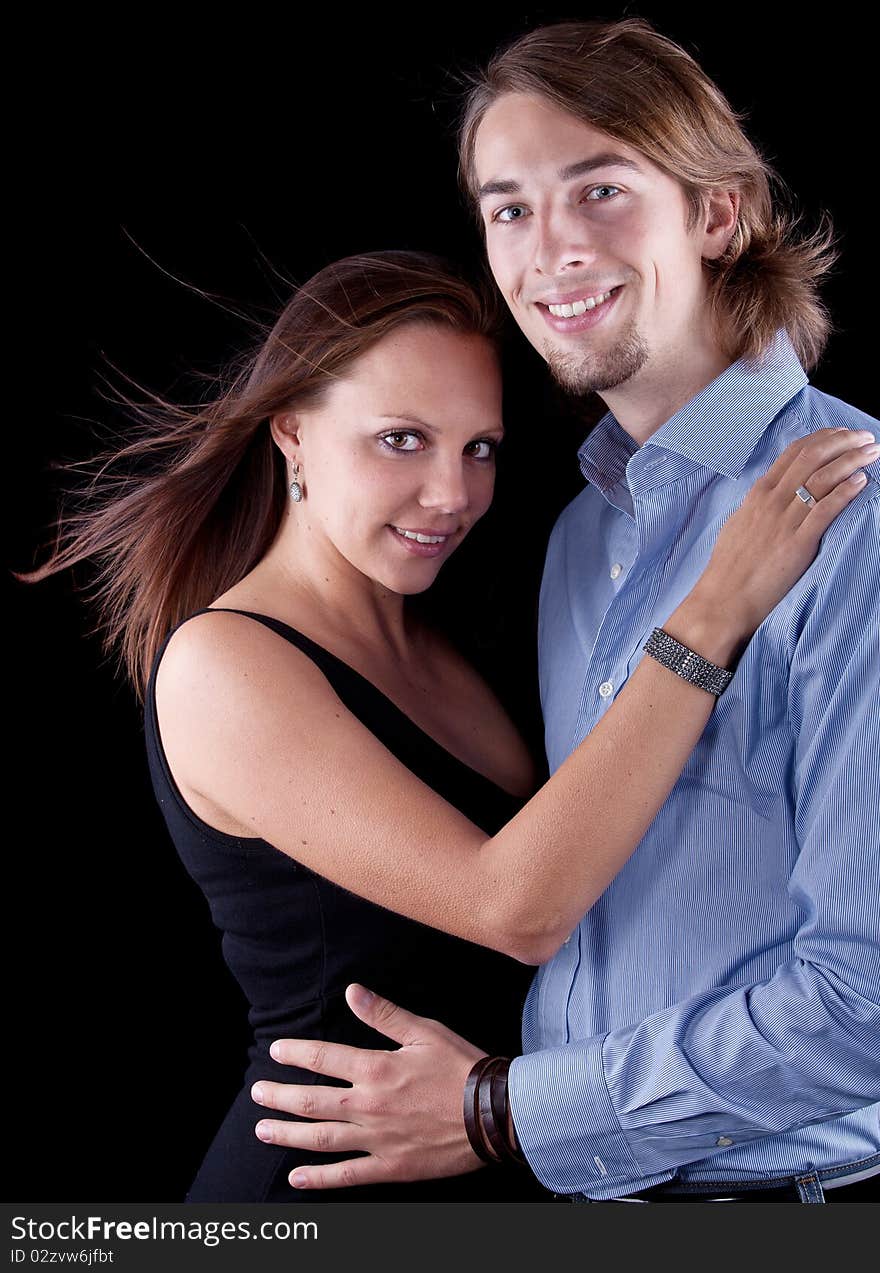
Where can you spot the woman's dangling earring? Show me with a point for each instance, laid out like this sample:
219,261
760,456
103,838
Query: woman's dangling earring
296,491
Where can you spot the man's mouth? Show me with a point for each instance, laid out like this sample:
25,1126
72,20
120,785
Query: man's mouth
573,314
571,309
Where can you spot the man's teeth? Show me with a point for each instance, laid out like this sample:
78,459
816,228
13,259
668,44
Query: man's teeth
422,539
578,307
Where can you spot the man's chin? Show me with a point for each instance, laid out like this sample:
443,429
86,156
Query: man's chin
583,373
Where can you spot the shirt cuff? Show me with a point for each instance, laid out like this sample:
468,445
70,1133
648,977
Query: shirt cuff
565,1121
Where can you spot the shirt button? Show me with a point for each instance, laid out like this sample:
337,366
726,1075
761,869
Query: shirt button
606,689
724,1140
616,570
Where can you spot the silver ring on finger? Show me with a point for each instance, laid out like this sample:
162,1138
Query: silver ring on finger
805,497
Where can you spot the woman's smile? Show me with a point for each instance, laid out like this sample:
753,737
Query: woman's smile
422,542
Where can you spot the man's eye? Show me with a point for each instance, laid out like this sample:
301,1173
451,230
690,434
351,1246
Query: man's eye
515,212
401,440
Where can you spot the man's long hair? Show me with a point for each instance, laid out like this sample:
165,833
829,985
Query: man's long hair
641,88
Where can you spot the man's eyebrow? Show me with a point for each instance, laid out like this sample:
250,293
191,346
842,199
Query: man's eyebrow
607,159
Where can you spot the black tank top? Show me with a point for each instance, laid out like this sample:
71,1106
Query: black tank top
294,940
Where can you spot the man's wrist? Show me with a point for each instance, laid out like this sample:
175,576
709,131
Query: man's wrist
487,1117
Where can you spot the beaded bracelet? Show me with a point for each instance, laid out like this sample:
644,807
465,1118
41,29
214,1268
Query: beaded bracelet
691,667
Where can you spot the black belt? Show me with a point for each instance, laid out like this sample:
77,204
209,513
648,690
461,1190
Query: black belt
766,1193
806,1188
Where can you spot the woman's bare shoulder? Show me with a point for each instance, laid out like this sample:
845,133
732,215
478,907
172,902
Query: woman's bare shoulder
220,652
219,663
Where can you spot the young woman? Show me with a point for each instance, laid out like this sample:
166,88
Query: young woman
348,793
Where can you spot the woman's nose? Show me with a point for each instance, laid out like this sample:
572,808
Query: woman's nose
445,489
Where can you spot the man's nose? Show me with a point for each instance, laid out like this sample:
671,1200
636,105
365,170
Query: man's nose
445,488
563,242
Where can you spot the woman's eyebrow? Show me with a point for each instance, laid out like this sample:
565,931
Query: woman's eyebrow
432,428
407,419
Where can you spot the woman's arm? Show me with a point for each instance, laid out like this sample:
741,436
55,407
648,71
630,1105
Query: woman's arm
254,727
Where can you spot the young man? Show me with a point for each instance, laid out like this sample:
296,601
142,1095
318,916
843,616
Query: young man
712,1028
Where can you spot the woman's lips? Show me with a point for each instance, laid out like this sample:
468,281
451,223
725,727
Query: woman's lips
420,550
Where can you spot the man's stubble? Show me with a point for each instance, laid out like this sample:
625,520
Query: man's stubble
596,372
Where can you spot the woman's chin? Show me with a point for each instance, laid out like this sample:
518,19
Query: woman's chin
412,587
412,580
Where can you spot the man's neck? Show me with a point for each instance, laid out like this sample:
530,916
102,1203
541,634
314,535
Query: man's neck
642,405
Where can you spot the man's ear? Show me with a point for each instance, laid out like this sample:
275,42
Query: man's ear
720,217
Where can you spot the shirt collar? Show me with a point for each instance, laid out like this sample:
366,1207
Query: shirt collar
719,428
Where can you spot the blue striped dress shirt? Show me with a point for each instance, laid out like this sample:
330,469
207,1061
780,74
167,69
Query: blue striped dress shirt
715,1016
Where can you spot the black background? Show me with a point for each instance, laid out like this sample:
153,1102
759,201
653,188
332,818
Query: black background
151,164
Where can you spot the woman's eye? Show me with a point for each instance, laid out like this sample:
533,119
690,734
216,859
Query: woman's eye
601,193
402,440
482,450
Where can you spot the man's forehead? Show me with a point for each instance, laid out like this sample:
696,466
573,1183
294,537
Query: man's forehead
521,135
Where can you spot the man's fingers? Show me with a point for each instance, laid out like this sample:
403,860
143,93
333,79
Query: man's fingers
337,1060
305,1099
318,1138
341,1175
386,1017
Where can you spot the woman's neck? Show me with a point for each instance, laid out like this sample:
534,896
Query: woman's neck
318,590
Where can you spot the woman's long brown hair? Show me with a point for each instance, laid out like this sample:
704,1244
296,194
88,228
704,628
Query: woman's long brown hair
205,487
